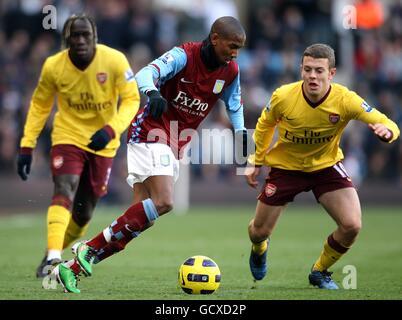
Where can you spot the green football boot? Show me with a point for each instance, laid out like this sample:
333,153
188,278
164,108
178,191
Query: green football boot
67,278
85,256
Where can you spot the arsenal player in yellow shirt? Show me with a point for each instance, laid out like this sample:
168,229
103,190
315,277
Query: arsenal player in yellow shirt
88,80
310,116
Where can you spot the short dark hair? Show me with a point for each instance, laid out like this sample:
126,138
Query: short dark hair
320,50
227,26
67,28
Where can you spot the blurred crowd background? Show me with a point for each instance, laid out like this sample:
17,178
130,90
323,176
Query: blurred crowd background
369,61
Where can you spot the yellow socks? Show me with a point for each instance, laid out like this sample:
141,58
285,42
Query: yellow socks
331,253
57,221
74,232
260,247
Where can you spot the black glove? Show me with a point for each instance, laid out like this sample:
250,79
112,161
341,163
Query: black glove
24,163
101,138
157,104
244,145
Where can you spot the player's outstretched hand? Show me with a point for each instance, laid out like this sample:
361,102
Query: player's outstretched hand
157,104
24,163
381,131
251,174
101,138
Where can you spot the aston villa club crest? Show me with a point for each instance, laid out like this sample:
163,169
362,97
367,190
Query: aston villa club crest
101,77
165,160
334,118
270,190
218,86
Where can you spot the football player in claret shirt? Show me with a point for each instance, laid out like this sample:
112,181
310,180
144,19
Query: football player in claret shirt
88,79
310,115
183,86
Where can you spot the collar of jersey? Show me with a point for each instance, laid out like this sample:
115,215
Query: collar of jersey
316,104
208,55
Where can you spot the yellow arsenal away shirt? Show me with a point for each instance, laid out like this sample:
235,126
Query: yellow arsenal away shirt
309,136
105,93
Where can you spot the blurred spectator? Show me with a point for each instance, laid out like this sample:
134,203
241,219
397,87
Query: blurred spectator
112,20
142,26
370,14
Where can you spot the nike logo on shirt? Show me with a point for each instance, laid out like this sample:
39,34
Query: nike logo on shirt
185,81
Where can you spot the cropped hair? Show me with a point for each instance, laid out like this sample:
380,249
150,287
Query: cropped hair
320,50
67,28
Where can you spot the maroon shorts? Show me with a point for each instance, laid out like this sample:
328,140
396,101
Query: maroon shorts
69,159
282,186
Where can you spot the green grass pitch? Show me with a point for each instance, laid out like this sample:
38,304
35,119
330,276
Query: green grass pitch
148,268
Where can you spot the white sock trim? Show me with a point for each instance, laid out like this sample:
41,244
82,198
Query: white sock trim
53,254
107,235
69,263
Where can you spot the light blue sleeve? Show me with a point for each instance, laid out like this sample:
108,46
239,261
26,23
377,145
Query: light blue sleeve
160,70
234,106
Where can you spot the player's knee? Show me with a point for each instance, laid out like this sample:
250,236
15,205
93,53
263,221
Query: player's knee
259,236
64,189
258,233
163,206
352,229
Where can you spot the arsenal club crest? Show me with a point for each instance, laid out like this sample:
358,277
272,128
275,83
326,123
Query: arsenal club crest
270,190
334,118
58,162
101,77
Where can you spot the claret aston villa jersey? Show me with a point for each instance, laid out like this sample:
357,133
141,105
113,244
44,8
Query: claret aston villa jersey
191,91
